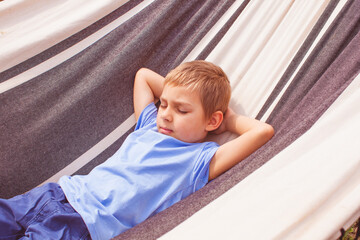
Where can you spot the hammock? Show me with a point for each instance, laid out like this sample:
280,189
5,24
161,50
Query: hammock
66,75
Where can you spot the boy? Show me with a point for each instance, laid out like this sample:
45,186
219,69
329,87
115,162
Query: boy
163,161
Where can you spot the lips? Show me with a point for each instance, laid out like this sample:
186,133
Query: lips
164,130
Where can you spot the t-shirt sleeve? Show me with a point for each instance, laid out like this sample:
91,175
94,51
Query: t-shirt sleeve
147,116
201,168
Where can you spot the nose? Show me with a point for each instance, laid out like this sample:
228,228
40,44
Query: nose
166,114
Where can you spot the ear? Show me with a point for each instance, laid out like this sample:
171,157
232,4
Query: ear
214,121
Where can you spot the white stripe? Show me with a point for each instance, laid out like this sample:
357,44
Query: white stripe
213,31
70,52
270,44
95,150
259,46
29,27
323,30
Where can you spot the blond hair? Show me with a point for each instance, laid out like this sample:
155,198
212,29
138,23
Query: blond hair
207,79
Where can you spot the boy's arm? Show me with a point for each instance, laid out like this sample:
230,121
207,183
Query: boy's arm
148,87
252,135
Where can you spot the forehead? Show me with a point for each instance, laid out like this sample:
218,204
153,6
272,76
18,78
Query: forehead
180,94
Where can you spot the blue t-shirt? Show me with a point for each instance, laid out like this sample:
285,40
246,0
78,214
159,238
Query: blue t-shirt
150,172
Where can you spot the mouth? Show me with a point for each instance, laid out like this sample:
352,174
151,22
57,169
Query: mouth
165,131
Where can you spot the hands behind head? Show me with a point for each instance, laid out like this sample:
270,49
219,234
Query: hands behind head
223,126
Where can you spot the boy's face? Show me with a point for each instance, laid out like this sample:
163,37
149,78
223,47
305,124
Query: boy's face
181,114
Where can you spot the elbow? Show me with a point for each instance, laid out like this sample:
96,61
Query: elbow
140,78
140,73
267,131
264,132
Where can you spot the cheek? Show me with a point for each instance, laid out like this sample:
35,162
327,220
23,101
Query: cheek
157,118
191,125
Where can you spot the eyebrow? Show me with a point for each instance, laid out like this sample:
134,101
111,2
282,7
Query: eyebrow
177,103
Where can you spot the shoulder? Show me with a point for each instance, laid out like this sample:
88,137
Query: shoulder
147,116
201,165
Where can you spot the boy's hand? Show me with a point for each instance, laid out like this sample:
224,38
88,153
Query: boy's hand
252,135
227,116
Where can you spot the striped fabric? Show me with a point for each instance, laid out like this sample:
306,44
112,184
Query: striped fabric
66,75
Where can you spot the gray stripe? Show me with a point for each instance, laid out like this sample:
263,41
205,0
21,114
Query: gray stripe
54,118
344,66
334,41
299,56
212,44
39,58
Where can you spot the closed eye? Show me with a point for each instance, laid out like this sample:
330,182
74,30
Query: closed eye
182,111
163,104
